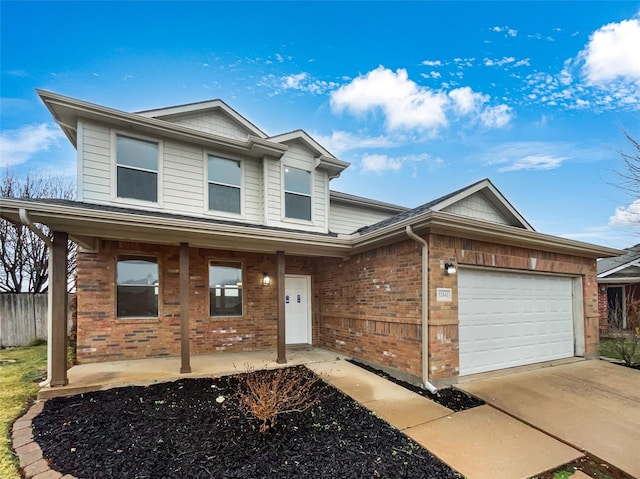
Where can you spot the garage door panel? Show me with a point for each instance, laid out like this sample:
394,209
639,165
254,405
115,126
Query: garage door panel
510,319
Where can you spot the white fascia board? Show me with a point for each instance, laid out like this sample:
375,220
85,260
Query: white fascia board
628,280
438,222
67,110
604,274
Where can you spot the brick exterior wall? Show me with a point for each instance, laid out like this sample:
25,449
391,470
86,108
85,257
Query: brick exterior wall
103,337
372,307
603,310
368,306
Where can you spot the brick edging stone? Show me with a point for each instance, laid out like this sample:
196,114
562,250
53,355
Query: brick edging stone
32,463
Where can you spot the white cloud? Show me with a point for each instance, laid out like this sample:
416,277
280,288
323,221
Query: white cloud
508,32
539,155
342,141
626,215
407,105
404,103
498,62
378,163
613,52
303,82
20,145
496,116
432,63
466,101
534,162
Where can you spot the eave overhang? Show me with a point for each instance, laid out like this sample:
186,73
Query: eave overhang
86,222
67,111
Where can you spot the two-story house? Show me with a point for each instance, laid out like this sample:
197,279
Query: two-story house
200,233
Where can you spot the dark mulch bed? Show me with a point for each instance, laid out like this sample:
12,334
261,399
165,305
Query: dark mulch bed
178,430
451,398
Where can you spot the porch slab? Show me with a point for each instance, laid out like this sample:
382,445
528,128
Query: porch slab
491,445
142,372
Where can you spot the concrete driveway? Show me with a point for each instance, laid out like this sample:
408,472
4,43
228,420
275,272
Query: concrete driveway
591,405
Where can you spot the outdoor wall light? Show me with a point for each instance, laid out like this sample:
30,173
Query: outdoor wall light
266,280
451,268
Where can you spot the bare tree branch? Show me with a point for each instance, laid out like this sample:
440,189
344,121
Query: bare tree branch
24,258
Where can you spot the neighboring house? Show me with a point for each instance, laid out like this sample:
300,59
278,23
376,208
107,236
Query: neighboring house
200,233
619,291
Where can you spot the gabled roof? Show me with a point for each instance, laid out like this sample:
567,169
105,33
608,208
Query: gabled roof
67,111
167,113
324,158
484,187
620,267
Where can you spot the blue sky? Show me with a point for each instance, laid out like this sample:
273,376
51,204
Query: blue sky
422,98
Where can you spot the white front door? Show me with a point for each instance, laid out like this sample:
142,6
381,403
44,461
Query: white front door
297,309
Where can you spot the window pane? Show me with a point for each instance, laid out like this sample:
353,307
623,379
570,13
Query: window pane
137,288
137,271
297,206
225,289
224,198
224,171
137,184
297,181
137,301
137,153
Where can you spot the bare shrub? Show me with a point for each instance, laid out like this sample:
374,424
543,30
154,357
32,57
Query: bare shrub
268,393
624,330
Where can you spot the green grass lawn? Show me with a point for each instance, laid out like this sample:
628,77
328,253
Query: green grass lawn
18,384
609,349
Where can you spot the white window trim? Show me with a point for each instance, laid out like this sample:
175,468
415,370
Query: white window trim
244,282
285,218
114,171
159,287
219,213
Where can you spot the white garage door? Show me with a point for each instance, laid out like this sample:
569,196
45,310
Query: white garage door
511,319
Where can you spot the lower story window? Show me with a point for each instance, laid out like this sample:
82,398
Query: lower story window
137,287
225,288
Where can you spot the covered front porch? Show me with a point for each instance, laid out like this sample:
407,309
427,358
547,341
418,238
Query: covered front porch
139,372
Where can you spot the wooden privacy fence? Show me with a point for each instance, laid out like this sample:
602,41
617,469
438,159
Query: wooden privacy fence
23,318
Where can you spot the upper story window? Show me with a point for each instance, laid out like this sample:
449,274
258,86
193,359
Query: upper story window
225,178
225,288
137,169
297,193
137,287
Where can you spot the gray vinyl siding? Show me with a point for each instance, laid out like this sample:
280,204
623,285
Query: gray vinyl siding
477,206
182,179
183,188
96,171
212,122
347,219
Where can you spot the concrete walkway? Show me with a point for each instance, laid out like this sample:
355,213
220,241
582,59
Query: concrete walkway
592,405
479,443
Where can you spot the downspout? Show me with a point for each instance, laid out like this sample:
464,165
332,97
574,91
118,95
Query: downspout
425,309
25,220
